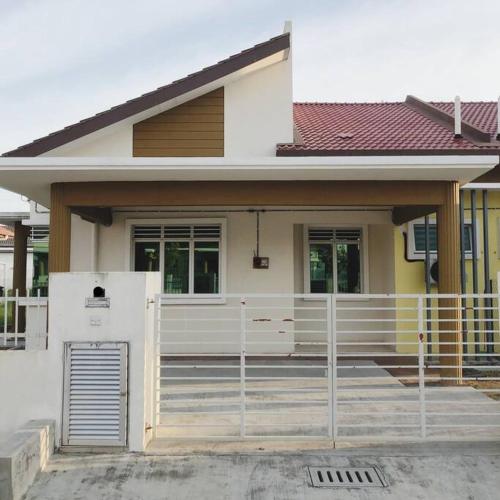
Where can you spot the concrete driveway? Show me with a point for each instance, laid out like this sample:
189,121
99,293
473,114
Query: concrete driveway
431,471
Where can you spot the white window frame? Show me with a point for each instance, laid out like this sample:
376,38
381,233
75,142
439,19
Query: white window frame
364,271
413,254
183,298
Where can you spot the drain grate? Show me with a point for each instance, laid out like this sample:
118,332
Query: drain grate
349,477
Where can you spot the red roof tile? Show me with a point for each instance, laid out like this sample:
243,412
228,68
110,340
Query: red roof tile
392,128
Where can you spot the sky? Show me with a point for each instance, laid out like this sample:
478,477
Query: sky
64,60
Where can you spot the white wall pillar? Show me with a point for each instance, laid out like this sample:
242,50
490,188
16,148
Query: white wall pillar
128,319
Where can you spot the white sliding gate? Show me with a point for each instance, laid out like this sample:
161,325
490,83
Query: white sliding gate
283,366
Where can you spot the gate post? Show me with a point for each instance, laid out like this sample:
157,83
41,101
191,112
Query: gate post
329,364
421,368
157,364
243,341
332,356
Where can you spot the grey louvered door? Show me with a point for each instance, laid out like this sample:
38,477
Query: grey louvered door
95,394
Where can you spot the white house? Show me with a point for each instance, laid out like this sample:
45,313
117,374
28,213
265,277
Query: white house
226,188
182,180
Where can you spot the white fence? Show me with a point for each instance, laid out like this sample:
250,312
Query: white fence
375,367
23,321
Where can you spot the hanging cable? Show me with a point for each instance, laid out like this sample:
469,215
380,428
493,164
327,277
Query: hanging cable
258,233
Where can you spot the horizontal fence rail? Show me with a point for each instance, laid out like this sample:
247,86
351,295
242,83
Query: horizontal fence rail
319,366
23,320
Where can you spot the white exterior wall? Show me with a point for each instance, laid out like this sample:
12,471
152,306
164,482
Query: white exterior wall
276,242
281,239
32,381
258,112
39,215
116,141
26,389
83,245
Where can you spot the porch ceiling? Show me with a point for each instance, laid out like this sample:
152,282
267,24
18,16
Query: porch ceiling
32,177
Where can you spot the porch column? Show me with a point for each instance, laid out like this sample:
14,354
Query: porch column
449,282
60,231
21,234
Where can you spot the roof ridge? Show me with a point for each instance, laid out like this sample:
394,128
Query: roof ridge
347,103
464,102
469,131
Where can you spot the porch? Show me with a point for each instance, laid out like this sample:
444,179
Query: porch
345,227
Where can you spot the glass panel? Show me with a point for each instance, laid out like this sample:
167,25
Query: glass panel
419,231
206,267
176,279
348,268
468,238
147,256
321,267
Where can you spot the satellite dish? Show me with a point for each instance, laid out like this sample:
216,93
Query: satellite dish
434,271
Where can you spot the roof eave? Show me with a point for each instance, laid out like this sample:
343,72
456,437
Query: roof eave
384,152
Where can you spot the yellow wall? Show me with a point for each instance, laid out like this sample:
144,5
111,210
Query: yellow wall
410,276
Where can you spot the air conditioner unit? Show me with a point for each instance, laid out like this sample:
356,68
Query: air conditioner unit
433,271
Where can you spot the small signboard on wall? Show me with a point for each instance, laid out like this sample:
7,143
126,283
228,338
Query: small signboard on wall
102,302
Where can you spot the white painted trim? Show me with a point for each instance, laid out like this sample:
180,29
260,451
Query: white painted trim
11,249
183,298
92,163
414,255
490,186
365,275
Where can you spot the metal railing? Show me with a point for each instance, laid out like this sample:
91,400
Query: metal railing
23,320
338,367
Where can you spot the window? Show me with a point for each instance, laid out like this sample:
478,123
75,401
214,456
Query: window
40,240
416,239
187,255
419,235
333,260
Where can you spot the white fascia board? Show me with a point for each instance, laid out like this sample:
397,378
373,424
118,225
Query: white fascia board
32,176
13,216
490,186
451,161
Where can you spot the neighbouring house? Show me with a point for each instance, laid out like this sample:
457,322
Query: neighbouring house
224,186
32,235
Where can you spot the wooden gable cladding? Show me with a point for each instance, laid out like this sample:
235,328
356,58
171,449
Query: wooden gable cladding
195,128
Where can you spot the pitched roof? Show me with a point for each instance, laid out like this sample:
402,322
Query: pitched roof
388,128
158,96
